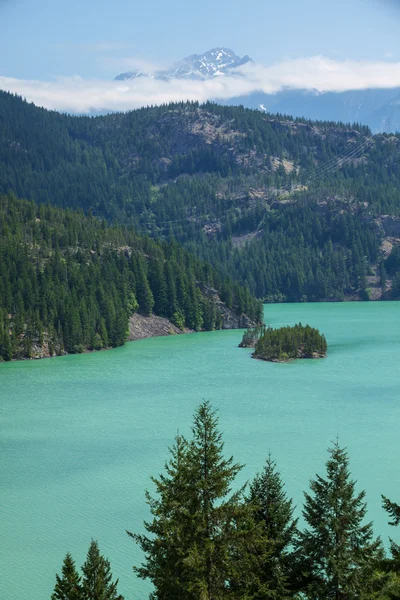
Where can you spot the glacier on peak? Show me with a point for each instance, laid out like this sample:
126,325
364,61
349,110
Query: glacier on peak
214,62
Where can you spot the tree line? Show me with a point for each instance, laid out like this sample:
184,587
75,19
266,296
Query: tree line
284,343
207,541
209,174
70,282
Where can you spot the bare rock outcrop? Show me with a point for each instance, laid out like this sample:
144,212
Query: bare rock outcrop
229,319
141,327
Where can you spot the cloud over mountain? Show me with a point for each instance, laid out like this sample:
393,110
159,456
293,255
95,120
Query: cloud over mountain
78,95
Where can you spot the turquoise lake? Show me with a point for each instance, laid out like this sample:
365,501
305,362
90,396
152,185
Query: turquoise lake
81,435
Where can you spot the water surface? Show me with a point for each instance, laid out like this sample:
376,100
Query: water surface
80,435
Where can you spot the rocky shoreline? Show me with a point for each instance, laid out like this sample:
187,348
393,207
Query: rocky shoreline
285,343
301,355
141,327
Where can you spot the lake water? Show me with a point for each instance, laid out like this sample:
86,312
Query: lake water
81,435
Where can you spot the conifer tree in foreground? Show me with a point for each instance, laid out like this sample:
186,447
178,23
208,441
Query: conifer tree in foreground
218,518
338,553
95,584
392,509
68,585
97,581
198,538
273,512
393,564
169,530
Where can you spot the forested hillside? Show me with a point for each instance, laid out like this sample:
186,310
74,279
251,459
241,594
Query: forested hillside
70,283
294,209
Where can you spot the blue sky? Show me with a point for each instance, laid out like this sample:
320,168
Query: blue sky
89,41
92,38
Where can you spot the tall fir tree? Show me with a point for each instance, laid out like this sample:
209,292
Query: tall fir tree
217,515
159,287
143,291
97,577
169,531
198,538
393,564
392,509
68,586
273,513
337,551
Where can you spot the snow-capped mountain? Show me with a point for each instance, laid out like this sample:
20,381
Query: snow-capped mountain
214,62
377,108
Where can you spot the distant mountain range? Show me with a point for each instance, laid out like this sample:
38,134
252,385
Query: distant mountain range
377,108
214,62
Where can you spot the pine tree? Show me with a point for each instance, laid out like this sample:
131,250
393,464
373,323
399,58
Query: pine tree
382,276
396,286
119,334
158,287
193,308
169,530
199,539
393,564
273,513
218,518
68,585
393,510
143,292
97,581
337,552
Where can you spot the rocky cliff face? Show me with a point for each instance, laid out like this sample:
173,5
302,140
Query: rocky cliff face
141,327
389,226
230,320
46,348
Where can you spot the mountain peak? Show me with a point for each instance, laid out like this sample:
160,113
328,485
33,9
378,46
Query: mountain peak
214,62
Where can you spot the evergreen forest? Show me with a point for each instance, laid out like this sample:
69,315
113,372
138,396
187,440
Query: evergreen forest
285,343
295,210
70,283
206,540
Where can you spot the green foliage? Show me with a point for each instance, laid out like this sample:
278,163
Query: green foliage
338,555
210,175
392,263
178,319
251,337
273,513
299,341
393,510
68,586
165,548
205,541
393,564
216,514
72,282
396,286
97,581
198,538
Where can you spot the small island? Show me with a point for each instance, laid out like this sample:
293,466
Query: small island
285,343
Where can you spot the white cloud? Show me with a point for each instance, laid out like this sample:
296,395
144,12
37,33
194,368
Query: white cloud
74,94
